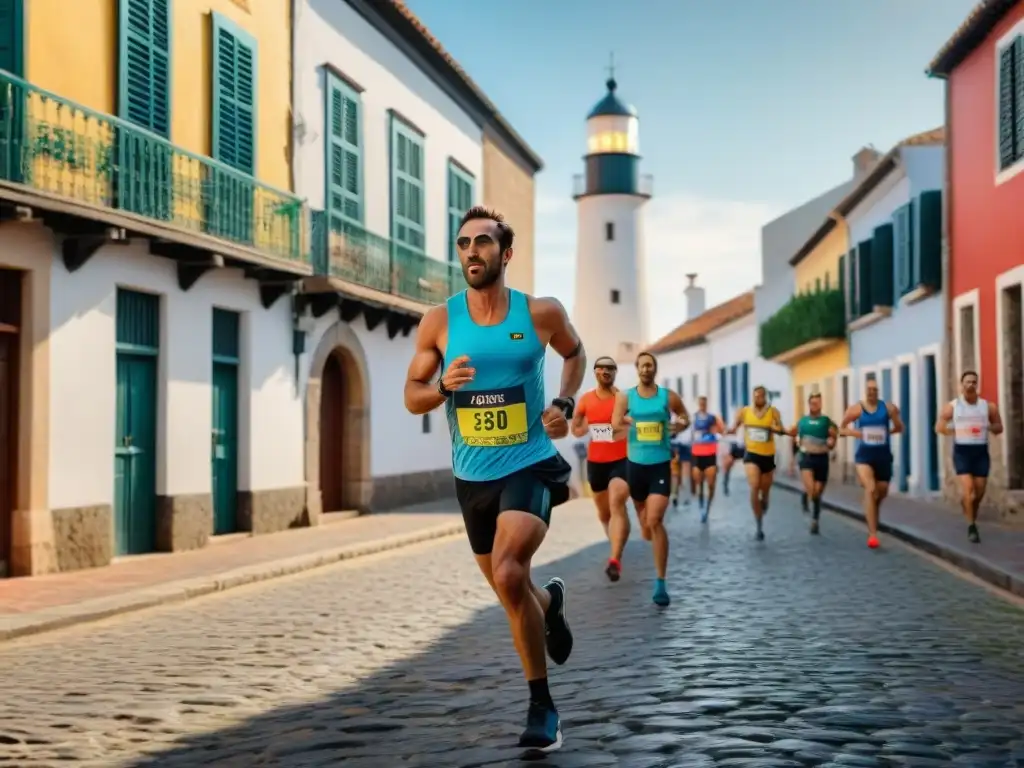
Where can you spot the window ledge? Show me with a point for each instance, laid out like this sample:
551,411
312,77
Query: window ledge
920,293
877,314
1009,172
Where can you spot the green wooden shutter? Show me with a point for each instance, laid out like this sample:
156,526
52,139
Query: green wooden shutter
12,36
407,219
144,64
344,153
881,266
865,299
928,256
851,289
903,249
460,200
842,285
1018,97
234,96
1007,116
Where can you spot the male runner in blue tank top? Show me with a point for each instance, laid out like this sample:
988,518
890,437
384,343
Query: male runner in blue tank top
508,473
706,429
648,410
873,457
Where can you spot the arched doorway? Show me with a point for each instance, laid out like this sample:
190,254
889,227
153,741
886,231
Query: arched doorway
338,425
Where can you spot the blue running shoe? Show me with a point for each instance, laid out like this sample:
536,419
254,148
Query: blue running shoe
660,596
543,729
704,516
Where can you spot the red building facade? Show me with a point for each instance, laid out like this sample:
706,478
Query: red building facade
983,65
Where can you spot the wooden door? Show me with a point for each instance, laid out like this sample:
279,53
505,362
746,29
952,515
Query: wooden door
931,391
906,409
332,430
8,442
224,447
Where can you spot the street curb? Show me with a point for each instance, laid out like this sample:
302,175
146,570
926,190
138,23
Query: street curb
20,625
993,574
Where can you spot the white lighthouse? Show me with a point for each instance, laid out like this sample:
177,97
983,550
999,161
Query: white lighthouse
610,308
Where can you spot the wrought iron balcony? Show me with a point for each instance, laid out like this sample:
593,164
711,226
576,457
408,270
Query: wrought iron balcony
66,151
349,252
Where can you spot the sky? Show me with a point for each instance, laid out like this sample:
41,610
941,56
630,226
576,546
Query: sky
747,109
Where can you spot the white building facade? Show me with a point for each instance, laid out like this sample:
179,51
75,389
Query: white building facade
895,299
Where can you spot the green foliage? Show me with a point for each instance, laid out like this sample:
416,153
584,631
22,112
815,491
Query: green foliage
806,317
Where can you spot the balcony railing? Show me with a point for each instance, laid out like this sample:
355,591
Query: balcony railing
56,146
805,324
644,185
347,251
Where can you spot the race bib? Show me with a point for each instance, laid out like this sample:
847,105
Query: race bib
649,431
601,433
874,435
757,434
492,418
699,434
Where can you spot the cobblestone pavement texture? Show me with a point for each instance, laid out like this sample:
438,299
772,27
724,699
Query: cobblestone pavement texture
798,651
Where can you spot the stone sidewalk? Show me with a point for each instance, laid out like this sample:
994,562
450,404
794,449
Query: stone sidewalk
939,530
41,603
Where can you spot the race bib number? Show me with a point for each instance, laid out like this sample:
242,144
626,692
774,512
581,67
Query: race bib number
873,435
757,434
650,431
601,433
492,418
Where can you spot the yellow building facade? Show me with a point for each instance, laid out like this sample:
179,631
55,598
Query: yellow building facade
816,371
198,54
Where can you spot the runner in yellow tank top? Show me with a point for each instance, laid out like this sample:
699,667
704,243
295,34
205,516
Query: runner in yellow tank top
761,422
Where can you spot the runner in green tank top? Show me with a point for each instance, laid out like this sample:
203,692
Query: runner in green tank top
816,435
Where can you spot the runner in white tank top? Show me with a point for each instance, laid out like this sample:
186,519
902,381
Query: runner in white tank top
969,420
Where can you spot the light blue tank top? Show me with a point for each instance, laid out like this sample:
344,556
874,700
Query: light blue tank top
649,440
495,422
874,446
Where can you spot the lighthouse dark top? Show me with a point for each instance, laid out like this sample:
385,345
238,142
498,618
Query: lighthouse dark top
612,160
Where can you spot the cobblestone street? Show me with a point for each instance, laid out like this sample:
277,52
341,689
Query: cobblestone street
799,651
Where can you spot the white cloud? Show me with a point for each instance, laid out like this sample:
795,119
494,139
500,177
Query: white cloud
720,240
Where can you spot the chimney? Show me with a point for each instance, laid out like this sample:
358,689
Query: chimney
864,161
694,297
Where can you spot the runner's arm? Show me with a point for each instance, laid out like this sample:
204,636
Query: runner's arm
421,392
552,318
579,420
718,426
675,404
851,415
777,427
619,412
995,419
897,421
833,433
738,422
942,422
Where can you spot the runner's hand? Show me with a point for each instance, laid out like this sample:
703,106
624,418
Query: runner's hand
458,374
555,423
677,427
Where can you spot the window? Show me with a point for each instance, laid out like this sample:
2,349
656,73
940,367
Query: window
734,385
968,355
695,389
343,115
1011,103
144,64
426,424
234,96
407,219
679,386
723,395
745,384
460,200
609,231
615,295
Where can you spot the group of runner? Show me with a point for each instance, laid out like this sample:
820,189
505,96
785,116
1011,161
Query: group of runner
488,343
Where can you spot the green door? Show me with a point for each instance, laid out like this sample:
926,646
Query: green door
224,439
135,455
138,335
12,94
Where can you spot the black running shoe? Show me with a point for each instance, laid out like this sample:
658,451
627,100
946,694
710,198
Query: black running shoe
543,729
972,534
558,636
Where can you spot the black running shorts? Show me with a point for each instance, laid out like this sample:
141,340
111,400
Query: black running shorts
971,460
705,462
736,451
537,489
816,464
649,480
764,463
601,473
881,468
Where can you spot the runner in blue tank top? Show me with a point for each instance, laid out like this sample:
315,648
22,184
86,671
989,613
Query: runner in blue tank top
707,427
872,429
508,473
648,410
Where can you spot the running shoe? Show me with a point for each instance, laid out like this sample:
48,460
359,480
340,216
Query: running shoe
660,596
873,542
543,729
557,634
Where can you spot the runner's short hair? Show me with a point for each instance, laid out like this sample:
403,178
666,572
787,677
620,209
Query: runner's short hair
506,235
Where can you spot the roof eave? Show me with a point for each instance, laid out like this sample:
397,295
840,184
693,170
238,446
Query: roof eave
972,33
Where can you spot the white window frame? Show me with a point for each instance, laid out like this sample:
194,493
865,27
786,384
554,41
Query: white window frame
844,449
928,423
1006,280
1003,176
880,367
908,417
971,299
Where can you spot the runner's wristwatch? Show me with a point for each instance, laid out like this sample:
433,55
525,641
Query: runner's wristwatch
567,404
441,389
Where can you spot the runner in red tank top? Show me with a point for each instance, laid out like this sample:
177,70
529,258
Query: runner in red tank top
606,460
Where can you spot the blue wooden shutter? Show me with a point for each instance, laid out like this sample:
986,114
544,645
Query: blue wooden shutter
407,219
903,259
851,303
865,301
882,266
460,200
928,256
144,64
344,154
745,384
842,284
234,96
723,393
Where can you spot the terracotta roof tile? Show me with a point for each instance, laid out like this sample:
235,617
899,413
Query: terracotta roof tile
694,331
969,35
462,75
